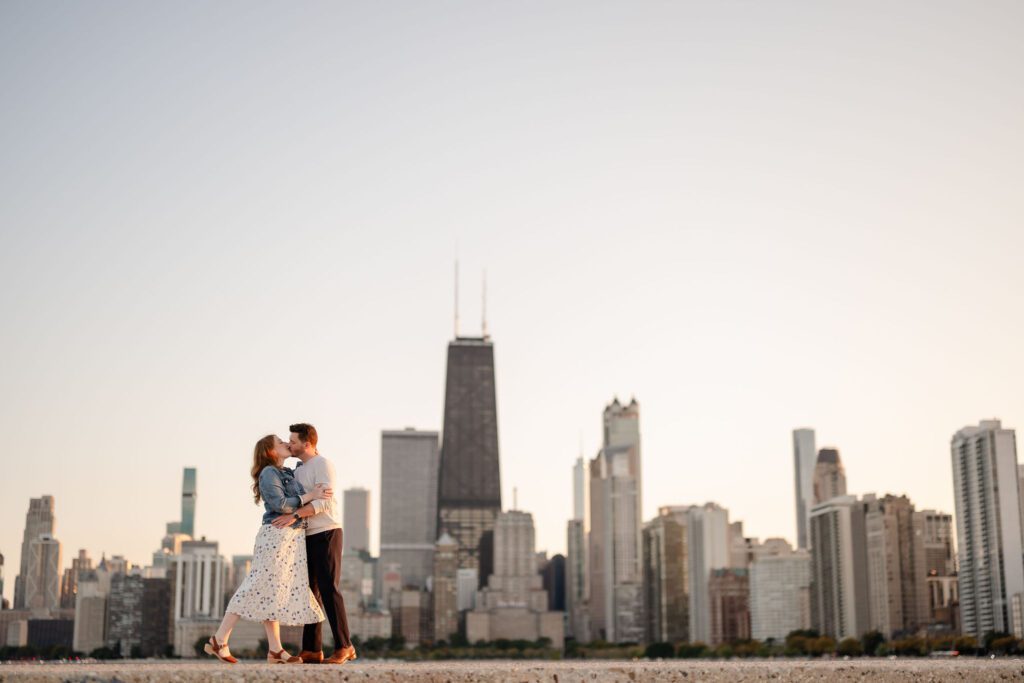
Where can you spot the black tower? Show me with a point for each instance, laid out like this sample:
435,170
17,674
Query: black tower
469,483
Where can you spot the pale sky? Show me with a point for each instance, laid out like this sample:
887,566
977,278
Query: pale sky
219,218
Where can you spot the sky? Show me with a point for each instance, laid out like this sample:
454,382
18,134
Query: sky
220,218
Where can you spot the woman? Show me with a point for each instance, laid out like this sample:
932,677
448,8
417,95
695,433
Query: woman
276,590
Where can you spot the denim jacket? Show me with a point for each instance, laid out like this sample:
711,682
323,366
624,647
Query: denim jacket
280,493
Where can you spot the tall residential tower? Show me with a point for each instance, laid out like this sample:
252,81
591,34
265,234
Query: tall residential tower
804,458
988,528
616,542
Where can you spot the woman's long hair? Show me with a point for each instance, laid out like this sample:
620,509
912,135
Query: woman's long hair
262,456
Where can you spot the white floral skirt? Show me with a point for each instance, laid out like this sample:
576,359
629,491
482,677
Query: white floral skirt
277,587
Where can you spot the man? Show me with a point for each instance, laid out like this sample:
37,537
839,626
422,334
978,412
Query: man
323,549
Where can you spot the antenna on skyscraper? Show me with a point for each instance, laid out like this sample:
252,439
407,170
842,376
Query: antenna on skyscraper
515,498
483,305
456,297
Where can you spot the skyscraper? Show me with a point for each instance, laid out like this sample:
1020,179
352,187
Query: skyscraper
356,519
780,584
187,523
42,575
576,560
839,576
897,572
469,486
988,526
514,604
616,542
829,476
804,458
408,504
69,582
707,541
188,502
666,576
39,520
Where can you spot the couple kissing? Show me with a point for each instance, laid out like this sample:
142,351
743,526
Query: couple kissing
296,561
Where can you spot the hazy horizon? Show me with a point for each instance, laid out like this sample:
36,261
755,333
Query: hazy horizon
218,219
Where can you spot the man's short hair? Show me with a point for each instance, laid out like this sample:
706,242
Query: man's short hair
305,432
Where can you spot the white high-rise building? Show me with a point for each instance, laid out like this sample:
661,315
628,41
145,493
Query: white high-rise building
805,455
988,525
409,461
42,579
356,519
199,576
579,489
839,573
615,543
39,520
578,615
780,590
708,545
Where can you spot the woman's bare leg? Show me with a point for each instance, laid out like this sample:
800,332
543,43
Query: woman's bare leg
227,625
273,635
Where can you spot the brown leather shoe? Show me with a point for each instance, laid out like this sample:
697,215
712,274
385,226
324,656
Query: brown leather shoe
341,656
309,657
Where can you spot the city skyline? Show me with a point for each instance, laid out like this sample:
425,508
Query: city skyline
189,494
743,218
189,486
874,562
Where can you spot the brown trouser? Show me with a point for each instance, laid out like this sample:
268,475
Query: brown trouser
323,556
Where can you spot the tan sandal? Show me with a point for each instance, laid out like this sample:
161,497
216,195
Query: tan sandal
282,657
214,648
